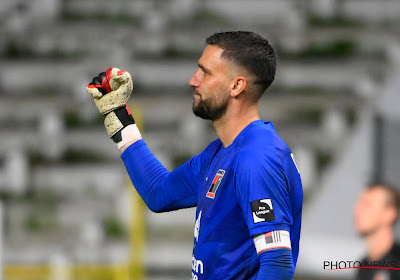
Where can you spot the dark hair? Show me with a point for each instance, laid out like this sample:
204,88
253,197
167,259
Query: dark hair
250,51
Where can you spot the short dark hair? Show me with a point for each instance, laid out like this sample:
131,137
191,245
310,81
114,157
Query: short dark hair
250,51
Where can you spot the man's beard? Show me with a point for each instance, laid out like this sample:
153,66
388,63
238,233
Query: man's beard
208,111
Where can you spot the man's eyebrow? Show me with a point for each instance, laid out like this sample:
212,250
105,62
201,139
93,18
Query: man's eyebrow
202,67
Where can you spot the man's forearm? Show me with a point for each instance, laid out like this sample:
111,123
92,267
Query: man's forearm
161,190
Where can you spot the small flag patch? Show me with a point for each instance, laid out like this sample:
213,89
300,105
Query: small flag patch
273,240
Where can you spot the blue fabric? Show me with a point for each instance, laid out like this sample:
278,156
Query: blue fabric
160,189
227,185
276,265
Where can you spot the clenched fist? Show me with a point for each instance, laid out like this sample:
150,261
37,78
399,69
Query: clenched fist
111,91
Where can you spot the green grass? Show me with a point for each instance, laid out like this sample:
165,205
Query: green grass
178,160
73,119
39,221
113,228
45,198
335,50
13,49
351,116
69,156
201,17
77,156
207,16
6,195
307,115
17,50
336,21
323,159
121,18
169,52
41,217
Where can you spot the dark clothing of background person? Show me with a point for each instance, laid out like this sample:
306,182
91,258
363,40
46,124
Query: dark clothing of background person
391,259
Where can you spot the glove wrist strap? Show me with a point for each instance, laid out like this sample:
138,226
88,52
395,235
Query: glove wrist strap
125,117
129,131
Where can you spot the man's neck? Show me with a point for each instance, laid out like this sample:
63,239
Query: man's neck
232,123
379,244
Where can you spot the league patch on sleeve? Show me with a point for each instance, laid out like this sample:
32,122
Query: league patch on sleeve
262,210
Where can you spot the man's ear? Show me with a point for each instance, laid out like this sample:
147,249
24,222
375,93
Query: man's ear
392,215
238,85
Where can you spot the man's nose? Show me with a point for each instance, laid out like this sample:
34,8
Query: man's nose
193,81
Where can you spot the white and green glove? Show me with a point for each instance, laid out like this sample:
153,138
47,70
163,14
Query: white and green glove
111,91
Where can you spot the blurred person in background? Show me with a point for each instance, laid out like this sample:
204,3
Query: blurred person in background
375,214
245,184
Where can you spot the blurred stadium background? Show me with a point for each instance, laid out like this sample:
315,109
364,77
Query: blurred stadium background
67,211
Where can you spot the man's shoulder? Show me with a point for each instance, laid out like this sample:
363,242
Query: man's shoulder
263,136
262,142
255,153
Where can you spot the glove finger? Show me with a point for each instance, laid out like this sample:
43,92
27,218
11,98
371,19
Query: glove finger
97,84
118,77
97,80
124,90
121,78
94,91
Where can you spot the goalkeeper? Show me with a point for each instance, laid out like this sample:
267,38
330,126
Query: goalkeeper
245,184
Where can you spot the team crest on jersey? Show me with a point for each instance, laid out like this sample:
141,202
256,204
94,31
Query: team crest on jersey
215,183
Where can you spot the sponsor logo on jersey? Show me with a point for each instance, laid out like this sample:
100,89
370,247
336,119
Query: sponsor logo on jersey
197,227
262,210
197,268
215,183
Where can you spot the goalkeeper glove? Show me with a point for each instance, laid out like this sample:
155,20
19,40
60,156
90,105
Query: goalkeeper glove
111,91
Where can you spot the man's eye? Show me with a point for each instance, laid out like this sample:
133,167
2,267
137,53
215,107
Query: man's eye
202,69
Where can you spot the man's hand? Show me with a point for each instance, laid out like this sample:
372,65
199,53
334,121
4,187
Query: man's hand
111,91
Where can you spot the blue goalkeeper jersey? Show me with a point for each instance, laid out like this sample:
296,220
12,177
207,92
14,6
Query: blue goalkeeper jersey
253,186
256,170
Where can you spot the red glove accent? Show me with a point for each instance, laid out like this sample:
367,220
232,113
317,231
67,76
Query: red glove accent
105,83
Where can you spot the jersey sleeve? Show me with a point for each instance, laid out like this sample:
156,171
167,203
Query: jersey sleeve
160,189
276,265
262,192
